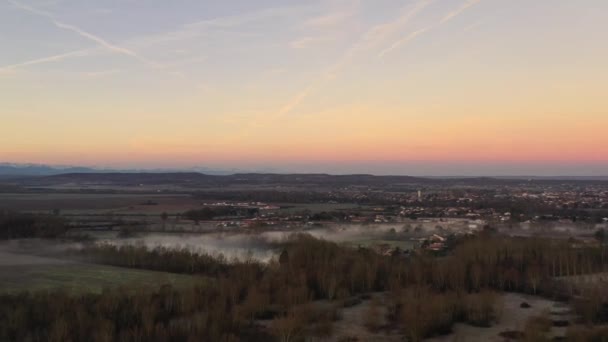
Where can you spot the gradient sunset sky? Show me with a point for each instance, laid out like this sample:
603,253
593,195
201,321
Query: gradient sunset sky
421,87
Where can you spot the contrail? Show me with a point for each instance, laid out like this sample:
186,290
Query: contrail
456,12
379,33
374,35
54,58
403,41
451,15
368,40
295,101
98,40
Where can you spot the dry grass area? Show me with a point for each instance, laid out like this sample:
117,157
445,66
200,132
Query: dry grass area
366,320
512,318
354,322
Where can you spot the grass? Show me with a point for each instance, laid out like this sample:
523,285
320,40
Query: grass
370,242
82,278
291,208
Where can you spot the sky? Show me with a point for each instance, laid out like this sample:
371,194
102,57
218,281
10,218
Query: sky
418,87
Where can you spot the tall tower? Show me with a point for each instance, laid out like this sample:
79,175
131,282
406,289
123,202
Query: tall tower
419,196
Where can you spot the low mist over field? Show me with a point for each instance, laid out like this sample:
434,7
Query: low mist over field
261,246
35,252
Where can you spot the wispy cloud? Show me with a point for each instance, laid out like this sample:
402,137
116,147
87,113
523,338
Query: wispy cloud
331,20
325,27
466,5
375,36
368,40
403,41
85,34
223,24
413,35
378,35
295,101
307,42
49,59
473,26
371,38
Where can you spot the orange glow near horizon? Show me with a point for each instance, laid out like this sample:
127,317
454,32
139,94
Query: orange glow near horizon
370,83
346,135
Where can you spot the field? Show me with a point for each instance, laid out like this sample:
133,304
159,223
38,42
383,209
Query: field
132,204
75,203
320,207
20,272
371,242
79,278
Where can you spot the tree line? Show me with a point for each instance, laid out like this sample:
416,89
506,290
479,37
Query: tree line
311,269
14,225
426,294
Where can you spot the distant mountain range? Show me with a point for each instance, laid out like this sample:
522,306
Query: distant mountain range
33,170
14,170
8,169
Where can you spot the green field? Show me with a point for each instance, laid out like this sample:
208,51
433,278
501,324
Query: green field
81,278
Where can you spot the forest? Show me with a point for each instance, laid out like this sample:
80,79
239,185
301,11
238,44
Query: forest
14,225
427,294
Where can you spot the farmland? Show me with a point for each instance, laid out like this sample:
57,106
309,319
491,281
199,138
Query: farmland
25,272
85,278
